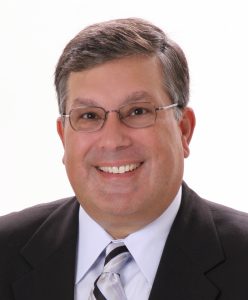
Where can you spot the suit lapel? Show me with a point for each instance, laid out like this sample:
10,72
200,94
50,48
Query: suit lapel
50,257
192,250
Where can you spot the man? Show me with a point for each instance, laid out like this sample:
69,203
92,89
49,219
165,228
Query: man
134,229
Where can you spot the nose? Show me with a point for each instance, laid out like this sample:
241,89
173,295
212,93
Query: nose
114,135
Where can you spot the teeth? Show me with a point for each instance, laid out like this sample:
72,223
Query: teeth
120,169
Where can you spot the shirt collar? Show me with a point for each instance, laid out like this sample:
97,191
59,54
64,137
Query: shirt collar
89,249
152,238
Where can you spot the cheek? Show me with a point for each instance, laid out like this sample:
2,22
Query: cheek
168,149
75,150
75,161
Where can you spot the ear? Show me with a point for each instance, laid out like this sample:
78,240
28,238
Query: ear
61,129
61,133
187,125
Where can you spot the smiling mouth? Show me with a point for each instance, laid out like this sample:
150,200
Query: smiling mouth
119,169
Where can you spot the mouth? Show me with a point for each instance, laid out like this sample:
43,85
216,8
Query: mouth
119,169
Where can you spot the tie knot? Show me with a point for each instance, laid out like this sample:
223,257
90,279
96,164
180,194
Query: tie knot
108,285
117,255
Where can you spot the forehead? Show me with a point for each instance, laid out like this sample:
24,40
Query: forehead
121,80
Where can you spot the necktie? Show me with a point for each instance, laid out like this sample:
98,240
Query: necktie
108,285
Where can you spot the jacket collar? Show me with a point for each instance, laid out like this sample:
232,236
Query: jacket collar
50,257
192,250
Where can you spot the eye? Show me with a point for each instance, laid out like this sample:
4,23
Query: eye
138,111
89,115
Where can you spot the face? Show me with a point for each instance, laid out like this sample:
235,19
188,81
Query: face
149,160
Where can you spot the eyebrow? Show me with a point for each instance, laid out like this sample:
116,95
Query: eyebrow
84,102
133,97
138,96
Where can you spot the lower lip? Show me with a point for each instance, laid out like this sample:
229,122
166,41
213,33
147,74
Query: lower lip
119,175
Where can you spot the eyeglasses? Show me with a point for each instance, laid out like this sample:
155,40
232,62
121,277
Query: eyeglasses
134,115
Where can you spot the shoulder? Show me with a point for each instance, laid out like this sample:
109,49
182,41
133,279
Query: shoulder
18,226
222,215
231,217
231,225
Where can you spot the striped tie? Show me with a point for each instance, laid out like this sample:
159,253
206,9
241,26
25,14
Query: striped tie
108,285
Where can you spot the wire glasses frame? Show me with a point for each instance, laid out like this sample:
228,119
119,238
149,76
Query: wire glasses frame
133,115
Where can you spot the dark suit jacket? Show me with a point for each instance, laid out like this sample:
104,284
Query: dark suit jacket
205,257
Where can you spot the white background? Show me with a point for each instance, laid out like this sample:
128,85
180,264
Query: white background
214,36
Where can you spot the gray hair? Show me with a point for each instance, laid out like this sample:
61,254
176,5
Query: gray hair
119,38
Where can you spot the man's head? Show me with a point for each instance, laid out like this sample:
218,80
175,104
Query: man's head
126,171
119,38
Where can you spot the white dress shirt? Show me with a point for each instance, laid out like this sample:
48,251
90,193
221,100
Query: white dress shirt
145,245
